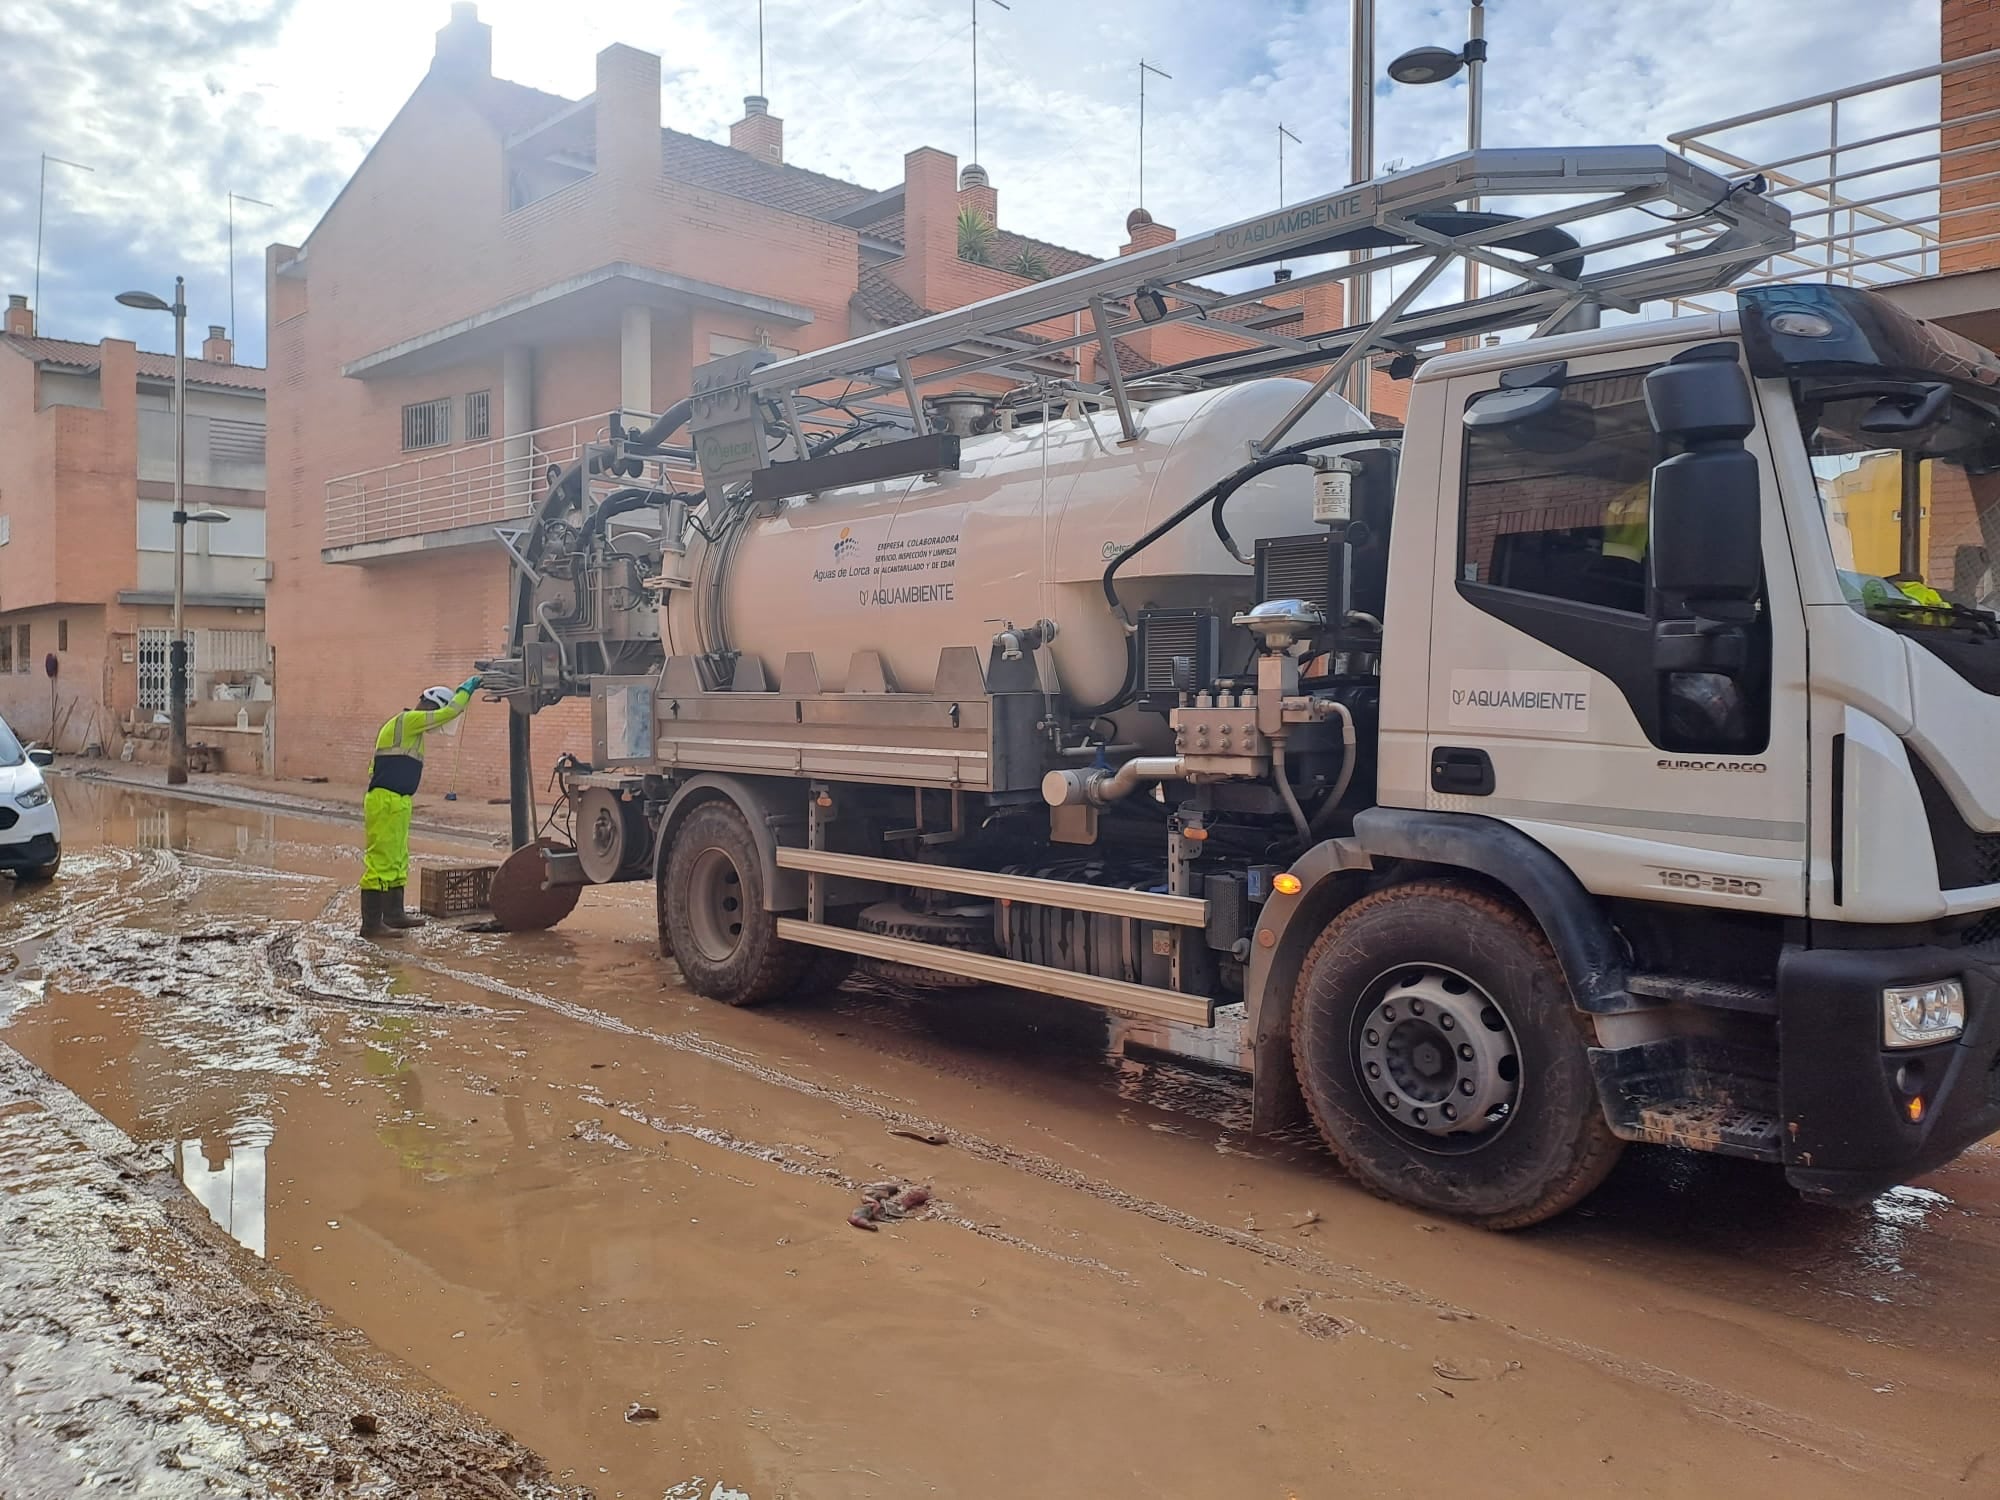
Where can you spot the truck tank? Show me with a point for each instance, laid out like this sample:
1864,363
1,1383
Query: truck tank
1021,532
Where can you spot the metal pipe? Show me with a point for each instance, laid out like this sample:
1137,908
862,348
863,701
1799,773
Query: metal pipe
177,672
1100,788
1354,356
520,783
1935,70
1475,107
1360,168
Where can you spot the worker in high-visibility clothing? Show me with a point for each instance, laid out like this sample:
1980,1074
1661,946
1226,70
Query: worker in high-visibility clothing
385,812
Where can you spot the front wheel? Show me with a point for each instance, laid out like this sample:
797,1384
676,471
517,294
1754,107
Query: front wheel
40,874
712,916
1443,1060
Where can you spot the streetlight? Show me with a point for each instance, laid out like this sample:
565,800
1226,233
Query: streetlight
177,671
1435,65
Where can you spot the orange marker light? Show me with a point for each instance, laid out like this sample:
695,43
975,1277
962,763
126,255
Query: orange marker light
1287,885
1916,1109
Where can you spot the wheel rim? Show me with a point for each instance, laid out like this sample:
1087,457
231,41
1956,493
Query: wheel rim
715,905
1437,1058
605,834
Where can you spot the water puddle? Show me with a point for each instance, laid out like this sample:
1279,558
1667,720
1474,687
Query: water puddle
227,1177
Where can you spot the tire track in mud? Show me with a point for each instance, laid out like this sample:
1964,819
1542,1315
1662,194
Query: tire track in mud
938,1211
1794,1430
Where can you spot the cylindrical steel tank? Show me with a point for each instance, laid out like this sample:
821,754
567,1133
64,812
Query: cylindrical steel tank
1021,532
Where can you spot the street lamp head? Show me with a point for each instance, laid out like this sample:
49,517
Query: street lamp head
1426,65
210,517
145,301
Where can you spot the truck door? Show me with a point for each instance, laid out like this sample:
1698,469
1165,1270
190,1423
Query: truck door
1547,707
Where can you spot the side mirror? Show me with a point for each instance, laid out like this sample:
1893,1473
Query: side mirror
41,756
1706,538
1705,547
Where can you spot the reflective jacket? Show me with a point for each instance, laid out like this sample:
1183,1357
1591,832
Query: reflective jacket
399,745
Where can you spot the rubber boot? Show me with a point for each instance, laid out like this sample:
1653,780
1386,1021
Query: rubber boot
393,912
372,925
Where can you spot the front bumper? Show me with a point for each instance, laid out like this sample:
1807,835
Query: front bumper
1845,1098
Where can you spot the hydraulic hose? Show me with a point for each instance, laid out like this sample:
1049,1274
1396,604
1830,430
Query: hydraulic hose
1323,818
1284,784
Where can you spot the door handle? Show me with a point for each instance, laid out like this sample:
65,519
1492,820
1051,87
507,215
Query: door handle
1461,771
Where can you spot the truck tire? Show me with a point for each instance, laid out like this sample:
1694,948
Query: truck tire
1443,1059
713,917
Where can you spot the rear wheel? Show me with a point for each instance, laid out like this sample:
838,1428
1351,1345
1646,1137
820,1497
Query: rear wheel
713,919
1443,1060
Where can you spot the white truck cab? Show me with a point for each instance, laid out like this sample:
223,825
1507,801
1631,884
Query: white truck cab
1694,620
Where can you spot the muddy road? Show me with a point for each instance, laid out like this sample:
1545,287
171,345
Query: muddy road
539,1170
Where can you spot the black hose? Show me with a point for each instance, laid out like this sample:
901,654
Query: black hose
1295,453
1214,495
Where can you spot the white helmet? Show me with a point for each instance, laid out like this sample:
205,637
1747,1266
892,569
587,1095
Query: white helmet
435,697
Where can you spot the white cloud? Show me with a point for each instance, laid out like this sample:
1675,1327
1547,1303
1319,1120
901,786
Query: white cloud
279,99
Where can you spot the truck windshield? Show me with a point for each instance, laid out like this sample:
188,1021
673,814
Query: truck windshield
1915,526
11,753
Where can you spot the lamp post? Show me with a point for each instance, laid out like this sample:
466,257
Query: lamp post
177,670
1436,64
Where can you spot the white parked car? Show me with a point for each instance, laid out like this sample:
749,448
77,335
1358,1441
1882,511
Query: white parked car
30,835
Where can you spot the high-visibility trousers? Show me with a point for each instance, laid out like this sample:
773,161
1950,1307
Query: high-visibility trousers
385,855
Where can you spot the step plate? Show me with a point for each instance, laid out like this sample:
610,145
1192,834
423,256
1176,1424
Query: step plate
1110,994
1715,1127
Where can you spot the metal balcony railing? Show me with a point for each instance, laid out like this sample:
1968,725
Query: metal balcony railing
474,485
1865,171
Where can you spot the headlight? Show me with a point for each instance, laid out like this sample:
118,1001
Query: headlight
1919,1015
34,796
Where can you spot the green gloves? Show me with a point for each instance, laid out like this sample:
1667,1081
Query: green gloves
471,684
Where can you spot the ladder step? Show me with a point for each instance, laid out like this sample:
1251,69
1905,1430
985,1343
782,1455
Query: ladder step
1717,994
1721,1128
1109,994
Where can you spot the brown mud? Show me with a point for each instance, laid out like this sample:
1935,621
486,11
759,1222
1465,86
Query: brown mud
541,1172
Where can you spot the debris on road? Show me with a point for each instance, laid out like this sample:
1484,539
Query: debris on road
638,1412
885,1201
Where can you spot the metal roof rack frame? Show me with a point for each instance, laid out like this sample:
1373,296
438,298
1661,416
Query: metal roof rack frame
1412,217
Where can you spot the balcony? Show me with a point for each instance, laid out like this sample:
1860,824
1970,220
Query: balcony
451,497
1892,184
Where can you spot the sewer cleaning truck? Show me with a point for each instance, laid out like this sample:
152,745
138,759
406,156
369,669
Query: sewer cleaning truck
1601,755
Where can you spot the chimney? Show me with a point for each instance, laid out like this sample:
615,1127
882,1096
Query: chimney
627,110
1143,234
465,45
20,316
976,192
759,133
217,348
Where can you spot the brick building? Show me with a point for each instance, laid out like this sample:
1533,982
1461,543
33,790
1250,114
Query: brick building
86,542
504,269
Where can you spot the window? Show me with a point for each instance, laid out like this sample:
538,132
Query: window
6,649
21,651
478,416
427,424
62,635
6,531
235,442
1557,506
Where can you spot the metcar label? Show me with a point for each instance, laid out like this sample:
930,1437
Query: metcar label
1553,702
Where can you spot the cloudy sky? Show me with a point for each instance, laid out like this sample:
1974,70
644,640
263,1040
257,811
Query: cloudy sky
178,105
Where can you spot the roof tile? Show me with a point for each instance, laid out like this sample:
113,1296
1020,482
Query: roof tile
80,356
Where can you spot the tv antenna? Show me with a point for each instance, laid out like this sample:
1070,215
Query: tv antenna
1145,68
